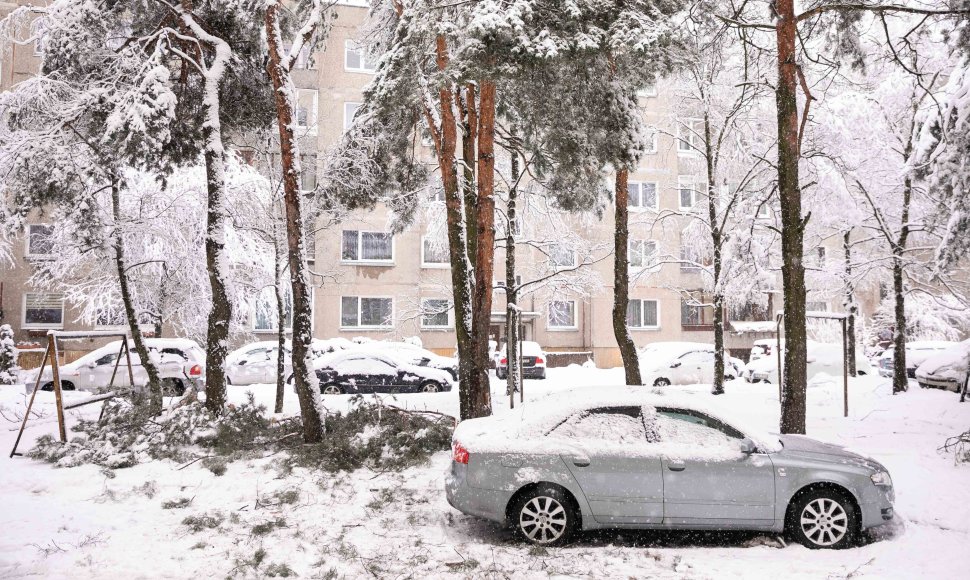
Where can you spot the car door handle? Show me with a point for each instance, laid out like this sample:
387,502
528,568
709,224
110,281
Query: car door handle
580,460
676,465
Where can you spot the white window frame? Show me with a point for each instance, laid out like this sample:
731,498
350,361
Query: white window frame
686,182
432,265
557,328
361,327
350,45
654,143
688,132
557,267
312,165
27,242
451,316
275,330
98,326
40,326
312,114
650,91
629,254
641,300
360,249
348,119
822,302
656,196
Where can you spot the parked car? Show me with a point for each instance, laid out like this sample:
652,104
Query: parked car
533,361
619,457
680,363
824,358
363,371
946,370
256,363
764,347
916,352
415,355
181,363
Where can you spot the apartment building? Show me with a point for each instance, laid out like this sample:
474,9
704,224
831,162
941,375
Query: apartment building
385,286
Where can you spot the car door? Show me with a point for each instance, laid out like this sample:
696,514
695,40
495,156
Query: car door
99,374
707,480
251,367
615,465
695,367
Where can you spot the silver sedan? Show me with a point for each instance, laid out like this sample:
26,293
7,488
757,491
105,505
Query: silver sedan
624,458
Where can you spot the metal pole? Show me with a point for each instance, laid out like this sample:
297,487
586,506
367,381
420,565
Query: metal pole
23,424
55,370
845,371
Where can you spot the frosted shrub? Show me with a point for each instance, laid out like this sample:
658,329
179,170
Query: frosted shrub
8,356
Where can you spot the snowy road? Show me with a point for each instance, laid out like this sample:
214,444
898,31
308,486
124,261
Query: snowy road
86,523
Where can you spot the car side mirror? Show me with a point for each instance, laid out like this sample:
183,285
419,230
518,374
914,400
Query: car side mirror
242,362
748,447
674,365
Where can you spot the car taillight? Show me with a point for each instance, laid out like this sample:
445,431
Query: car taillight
459,453
195,371
504,361
539,360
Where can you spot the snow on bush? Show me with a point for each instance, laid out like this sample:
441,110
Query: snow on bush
8,356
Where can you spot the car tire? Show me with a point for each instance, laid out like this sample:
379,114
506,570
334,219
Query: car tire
331,389
65,386
172,387
430,387
661,382
544,516
542,376
823,518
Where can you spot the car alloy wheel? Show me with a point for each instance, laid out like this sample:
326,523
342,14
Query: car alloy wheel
330,390
661,382
543,520
172,387
823,518
430,387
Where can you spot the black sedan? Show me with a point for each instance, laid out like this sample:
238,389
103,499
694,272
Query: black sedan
354,372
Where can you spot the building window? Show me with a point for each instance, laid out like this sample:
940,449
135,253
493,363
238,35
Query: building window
435,313
367,247
43,310
358,312
40,44
265,315
562,314
686,194
306,109
434,253
642,253
651,142
643,195
689,136
438,196
355,60
310,239
350,109
696,311
308,172
820,257
649,88
817,306
40,241
562,256
643,314
106,317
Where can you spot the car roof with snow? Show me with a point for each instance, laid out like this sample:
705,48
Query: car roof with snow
955,358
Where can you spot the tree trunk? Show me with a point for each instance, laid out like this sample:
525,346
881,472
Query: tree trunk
468,108
792,225
478,402
621,281
716,242
281,325
154,382
900,380
511,291
307,387
851,308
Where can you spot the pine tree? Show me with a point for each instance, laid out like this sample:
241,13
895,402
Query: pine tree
8,356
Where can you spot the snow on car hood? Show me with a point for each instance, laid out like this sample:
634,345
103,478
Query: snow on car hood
950,364
806,446
526,430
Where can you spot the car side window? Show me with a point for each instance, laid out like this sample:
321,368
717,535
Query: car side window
175,351
622,425
687,426
106,359
696,357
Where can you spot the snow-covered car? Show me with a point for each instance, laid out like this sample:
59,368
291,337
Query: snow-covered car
256,363
625,457
824,359
180,362
764,347
362,371
533,361
680,363
916,352
413,354
946,370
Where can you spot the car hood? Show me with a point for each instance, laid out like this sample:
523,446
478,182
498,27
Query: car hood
801,446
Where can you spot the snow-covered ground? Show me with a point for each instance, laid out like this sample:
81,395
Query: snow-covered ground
89,523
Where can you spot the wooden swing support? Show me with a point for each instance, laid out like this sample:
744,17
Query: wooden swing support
51,354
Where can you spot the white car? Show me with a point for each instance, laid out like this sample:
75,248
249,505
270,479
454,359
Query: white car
533,361
946,370
681,363
824,358
413,354
255,363
180,362
764,347
917,352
